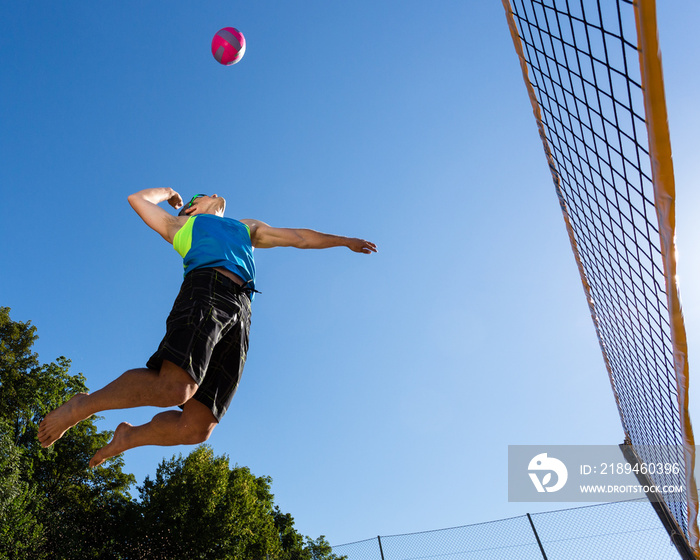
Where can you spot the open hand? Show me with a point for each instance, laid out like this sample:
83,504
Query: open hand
361,246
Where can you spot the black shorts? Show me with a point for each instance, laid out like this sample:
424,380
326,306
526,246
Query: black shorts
207,336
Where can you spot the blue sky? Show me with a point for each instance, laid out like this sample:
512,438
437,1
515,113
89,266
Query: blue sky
381,392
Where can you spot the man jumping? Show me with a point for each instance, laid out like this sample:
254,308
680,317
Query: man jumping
199,362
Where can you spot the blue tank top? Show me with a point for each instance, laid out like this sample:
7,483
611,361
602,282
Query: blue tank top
208,241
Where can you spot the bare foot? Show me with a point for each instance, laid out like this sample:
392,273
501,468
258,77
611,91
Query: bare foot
59,421
118,445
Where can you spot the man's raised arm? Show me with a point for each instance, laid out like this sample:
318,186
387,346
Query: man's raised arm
264,236
145,203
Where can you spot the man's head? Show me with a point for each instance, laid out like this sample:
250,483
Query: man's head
204,204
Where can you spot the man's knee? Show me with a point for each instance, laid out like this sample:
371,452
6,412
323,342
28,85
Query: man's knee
203,432
176,385
175,394
197,433
198,422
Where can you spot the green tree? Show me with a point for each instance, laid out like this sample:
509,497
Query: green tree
20,531
199,507
320,549
77,508
297,547
291,540
196,507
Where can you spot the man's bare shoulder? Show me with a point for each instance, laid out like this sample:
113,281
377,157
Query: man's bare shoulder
257,230
250,222
254,225
175,224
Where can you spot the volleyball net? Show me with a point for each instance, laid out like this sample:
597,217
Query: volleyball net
593,74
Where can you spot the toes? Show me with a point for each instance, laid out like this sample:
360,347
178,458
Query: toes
100,457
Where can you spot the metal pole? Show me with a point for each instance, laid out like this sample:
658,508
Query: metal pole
381,551
539,542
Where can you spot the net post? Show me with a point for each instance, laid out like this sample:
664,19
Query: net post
658,503
381,550
537,537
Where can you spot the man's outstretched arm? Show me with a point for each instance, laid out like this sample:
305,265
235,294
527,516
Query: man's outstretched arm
264,236
145,203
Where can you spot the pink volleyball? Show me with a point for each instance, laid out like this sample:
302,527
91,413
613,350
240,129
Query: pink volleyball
228,46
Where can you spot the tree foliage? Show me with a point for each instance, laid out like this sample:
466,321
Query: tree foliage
63,505
197,507
53,507
20,530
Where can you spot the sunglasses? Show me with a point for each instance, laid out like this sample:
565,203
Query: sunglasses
190,203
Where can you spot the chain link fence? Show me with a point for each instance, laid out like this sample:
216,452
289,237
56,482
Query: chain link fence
621,530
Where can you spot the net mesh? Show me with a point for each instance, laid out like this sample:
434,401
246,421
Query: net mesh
582,68
622,530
